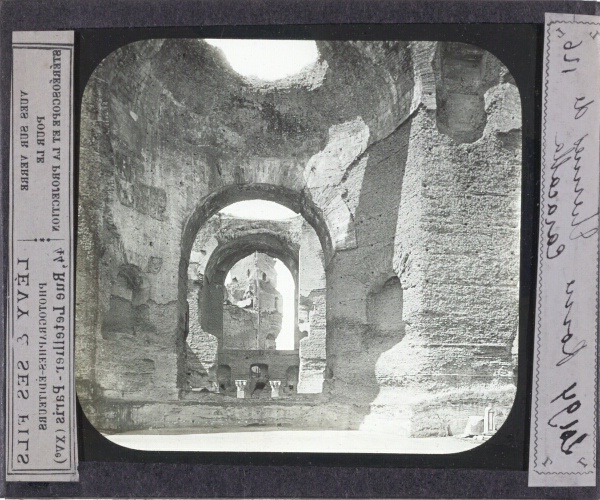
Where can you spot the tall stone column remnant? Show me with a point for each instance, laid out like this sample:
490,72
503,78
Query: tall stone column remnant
456,247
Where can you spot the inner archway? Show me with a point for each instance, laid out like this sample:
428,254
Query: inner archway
246,269
260,294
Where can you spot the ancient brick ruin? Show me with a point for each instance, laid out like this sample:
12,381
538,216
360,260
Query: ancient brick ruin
403,163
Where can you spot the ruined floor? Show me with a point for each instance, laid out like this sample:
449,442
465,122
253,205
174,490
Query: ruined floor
276,441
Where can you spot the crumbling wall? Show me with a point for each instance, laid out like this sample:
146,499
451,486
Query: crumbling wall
252,314
354,343
313,352
122,358
313,302
242,328
222,231
254,277
456,254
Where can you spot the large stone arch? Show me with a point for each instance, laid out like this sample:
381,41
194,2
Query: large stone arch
296,200
167,128
226,254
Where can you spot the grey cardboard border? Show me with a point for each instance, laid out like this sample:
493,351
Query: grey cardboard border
129,480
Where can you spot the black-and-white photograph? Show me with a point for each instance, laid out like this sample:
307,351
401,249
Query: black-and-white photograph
298,246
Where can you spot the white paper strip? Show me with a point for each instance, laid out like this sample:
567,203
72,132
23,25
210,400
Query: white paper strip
41,442
563,415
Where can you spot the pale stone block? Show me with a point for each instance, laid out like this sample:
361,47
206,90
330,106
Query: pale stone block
475,426
275,385
241,388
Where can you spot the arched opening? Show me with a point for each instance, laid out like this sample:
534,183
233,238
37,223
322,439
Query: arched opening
291,379
297,201
224,378
247,278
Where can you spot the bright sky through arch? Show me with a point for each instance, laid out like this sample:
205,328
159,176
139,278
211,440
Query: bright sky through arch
286,287
267,59
258,209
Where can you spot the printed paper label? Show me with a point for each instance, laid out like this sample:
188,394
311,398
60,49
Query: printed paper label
41,442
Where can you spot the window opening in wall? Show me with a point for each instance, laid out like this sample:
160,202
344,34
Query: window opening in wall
259,380
291,381
258,371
